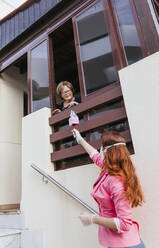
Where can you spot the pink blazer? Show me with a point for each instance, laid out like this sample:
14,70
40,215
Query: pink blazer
107,191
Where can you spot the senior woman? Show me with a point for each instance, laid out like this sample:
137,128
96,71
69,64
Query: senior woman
65,91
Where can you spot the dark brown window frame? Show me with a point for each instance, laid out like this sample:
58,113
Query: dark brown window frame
155,5
120,61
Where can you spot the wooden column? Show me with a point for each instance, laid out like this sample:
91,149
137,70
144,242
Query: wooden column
148,29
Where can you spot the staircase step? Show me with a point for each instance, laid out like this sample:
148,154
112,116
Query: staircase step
12,221
10,238
32,239
10,211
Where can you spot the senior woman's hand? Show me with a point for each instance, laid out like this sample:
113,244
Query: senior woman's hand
73,103
55,111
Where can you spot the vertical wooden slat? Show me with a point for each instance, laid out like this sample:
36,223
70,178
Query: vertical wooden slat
31,14
54,2
42,7
148,27
36,10
3,34
12,28
21,22
0,36
49,3
26,18
16,21
7,31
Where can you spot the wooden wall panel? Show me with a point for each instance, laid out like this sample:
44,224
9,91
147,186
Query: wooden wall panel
16,21
21,20
31,14
3,34
36,10
26,18
12,27
7,34
42,7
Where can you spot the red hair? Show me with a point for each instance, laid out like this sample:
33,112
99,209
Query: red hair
117,162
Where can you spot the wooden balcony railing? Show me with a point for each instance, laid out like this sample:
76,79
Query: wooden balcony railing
113,94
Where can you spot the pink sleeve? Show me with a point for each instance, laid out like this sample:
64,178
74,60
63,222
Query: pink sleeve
97,159
122,205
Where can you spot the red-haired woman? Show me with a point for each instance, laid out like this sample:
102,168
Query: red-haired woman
116,190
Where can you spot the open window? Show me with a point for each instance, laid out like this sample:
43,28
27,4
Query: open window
64,58
88,51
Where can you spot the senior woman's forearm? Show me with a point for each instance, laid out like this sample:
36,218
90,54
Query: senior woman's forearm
106,222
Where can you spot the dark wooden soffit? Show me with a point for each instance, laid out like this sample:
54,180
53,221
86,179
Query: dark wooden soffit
23,18
15,11
40,18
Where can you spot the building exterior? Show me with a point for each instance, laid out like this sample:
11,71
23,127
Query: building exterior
108,49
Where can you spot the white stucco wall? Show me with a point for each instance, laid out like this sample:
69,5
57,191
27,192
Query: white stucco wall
12,86
140,86
48,209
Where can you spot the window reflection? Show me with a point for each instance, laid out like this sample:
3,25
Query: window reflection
101,110
95,48
97,132
128,31
39,77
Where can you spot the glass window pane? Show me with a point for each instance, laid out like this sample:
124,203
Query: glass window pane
128,31
119,127
95,49
40,77
104,109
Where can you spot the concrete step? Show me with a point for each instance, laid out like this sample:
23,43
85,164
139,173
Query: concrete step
13,233
32,239
12,221
10,238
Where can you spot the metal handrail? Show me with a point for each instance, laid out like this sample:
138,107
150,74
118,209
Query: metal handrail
52,180
9,234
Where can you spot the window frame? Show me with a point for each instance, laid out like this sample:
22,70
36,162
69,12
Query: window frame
119,57
120,62
156,4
